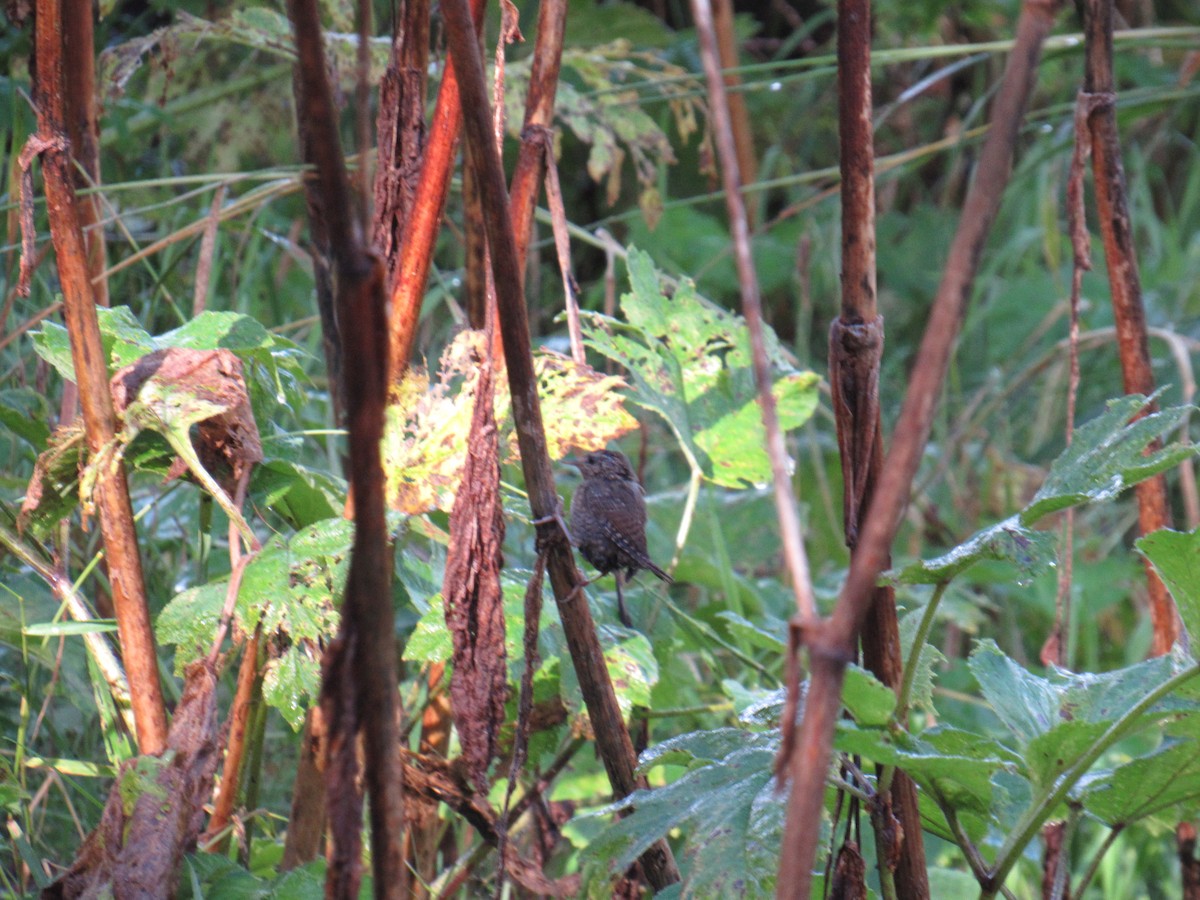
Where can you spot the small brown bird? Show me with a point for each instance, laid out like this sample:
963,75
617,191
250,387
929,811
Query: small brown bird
608,519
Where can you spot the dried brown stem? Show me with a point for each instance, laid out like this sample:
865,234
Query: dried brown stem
1116,229
400,131
306,820
539,117
831,644
739,116
112,493
612,739
855,353
359,685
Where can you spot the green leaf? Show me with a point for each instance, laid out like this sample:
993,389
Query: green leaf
1158,782
957,766
121,336
290,682
1048,755
869,700
302,496
292,588
952,883
727,811
921,693
189,622
1031,551
735,442
1176,558
1106,457
631,666
751,635
1031,706
690,362
430,641
24,413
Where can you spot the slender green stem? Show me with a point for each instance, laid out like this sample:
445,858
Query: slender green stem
914,654
1097,857
900,718
849,788
711,635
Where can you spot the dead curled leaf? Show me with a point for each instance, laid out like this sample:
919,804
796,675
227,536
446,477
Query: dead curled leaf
204,387
172,388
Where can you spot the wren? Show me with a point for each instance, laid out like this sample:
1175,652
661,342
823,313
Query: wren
608,520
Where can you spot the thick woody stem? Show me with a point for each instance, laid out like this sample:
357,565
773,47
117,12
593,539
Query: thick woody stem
91,374
831,645
612,739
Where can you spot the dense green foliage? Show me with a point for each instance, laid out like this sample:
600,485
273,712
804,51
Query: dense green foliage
199,118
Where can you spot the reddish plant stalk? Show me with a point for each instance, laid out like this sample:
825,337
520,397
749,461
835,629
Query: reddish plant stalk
831,643
612,739
421,225
112,493
539,117
235,744
1129,314
359,685
84,132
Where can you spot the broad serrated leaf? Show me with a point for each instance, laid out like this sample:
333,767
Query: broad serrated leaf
631,665
1050,754
1009,541
189,622
728,813
122,338
428,420
1106,457
299,494
1162,780
1176,557
1031,706
735,442
921,692
958,766
690,362
24,413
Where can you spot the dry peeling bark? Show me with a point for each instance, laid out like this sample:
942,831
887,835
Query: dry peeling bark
472,591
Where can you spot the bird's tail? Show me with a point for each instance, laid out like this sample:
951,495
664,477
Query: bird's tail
659,572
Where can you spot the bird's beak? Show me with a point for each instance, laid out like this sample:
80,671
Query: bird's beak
572,461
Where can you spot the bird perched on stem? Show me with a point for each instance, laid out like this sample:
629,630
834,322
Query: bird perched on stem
608,520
